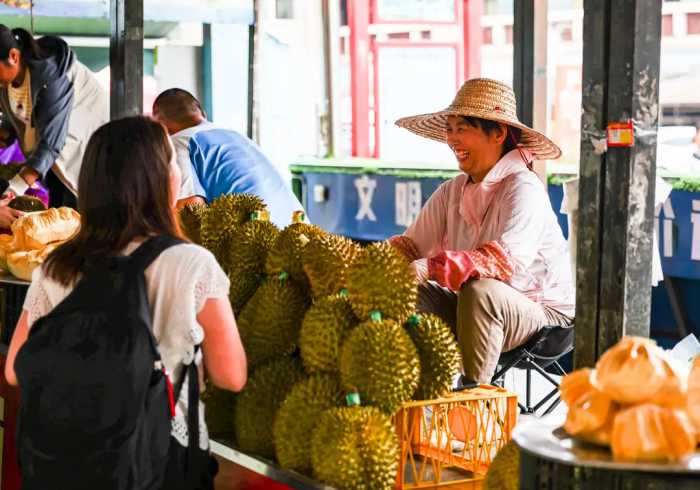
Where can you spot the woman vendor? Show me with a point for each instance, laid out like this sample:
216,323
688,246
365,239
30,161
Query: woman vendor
55,104
487,243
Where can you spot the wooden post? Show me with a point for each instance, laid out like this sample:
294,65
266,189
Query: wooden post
622,42
126,57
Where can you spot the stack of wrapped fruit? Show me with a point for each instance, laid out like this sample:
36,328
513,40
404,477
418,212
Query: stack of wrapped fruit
34,236
638,401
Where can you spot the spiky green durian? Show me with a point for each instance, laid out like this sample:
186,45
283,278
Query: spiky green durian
325,326
191,217
257,405
325,260
27,204
440,358
297,417
355,448
380,362
226,213
270,322
247,256
381,280
287,253
219,412
504,471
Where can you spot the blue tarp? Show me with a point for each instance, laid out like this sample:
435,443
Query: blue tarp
207,11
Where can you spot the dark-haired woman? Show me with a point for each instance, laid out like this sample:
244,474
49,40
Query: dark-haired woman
122,206
55,103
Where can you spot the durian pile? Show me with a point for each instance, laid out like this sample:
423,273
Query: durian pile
637,401
333,343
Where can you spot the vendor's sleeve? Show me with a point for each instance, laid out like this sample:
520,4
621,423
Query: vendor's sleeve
523,219
190,185
425,236
451,268
52,120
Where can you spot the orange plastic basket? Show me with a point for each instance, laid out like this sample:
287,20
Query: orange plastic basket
452,440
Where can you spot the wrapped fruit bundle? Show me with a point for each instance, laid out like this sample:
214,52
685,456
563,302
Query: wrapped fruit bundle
34,236
636,400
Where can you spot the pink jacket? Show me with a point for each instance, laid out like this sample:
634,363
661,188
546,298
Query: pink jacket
503,227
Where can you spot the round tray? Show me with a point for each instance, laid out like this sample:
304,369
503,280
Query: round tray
551,460
546,439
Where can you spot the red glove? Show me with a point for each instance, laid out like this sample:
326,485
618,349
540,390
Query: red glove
451,269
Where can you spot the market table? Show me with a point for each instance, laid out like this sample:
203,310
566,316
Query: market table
551,459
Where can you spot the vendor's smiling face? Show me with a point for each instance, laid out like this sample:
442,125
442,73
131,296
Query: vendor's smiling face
476,151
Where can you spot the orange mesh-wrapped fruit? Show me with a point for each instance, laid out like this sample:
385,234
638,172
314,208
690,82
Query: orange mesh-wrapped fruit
574,385
649,432
694,394
591,417
636,370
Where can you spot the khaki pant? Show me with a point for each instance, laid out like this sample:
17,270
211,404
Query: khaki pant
487,317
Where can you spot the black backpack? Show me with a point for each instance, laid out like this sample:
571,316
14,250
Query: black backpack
96,404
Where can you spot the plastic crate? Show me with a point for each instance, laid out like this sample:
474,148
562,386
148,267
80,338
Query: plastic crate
452,440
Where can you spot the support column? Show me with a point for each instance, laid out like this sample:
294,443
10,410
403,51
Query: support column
524,58
472,13
622,44
358,21
126,57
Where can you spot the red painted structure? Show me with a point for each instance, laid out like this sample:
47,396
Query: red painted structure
362,14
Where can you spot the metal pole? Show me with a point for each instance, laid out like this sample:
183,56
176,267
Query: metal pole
524,58
126,57
207,82
472,12
358,21
622,43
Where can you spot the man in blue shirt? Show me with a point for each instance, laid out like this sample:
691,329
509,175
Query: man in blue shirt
216,161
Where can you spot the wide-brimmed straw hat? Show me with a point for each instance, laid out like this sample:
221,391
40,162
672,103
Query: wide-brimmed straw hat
486,99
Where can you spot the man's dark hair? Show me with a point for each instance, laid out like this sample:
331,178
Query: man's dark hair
178,105
489,127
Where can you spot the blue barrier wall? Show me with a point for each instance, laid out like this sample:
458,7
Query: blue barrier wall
375,206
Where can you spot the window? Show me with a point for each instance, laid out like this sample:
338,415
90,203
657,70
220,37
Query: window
693,20
667,26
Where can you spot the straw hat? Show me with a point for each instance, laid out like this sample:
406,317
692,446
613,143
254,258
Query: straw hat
486,99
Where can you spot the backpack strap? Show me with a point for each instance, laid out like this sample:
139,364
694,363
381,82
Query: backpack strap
192,375
149,250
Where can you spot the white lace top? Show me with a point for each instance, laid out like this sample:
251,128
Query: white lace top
179,282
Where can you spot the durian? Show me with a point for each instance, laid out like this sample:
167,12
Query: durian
257,405
381,280
326,259
325,326
221,219
286,253
440,358
219,411
380,362
247,255
504,471
299,415
191,217
270,322
27,204
355,448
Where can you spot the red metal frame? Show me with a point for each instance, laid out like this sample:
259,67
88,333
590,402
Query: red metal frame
376,46
376,20
472,10
358,21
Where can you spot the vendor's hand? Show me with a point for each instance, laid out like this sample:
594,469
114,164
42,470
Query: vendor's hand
420,269
6,198
8,216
